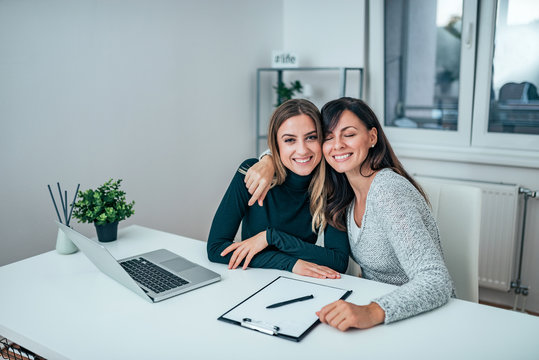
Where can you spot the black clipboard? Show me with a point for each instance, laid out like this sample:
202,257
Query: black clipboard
292,321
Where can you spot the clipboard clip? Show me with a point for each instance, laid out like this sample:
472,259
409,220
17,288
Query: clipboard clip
260,326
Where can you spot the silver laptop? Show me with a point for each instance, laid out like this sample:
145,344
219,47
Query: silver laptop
156,275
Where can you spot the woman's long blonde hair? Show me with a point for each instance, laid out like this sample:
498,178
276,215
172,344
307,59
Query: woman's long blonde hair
317,190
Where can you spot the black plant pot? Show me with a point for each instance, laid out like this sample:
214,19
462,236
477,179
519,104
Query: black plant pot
107,232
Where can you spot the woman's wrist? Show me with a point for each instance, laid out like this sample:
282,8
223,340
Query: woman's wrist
376,313
265,158
264,236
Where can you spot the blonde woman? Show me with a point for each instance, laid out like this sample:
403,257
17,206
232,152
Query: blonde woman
282,233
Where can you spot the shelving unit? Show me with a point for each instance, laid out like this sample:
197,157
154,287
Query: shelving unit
341,71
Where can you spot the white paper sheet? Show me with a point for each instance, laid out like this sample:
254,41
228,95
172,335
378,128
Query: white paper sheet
292,319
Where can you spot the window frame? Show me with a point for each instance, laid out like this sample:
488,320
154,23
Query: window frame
481,137
469,145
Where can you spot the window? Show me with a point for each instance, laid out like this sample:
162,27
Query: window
514,103
422,63
507,104
438,80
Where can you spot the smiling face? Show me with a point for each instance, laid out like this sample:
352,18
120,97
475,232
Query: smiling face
299,147
346,147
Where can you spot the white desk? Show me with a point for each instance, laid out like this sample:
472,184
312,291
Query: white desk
62,307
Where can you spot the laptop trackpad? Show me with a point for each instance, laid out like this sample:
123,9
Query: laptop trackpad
178,265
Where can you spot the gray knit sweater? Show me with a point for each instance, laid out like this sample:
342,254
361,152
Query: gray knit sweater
398,243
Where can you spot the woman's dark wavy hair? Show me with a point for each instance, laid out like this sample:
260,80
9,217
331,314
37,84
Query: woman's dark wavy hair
339,192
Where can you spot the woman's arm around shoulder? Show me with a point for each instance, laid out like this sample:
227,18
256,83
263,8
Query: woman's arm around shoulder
258,179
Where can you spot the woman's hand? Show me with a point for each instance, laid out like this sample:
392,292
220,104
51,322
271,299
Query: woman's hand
305,268
258,179
344,315
245,249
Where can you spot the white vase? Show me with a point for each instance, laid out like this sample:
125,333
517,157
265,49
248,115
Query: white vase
64,246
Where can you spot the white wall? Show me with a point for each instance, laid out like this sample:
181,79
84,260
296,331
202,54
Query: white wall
158,93
325,33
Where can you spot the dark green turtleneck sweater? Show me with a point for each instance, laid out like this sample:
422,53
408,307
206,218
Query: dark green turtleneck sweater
287,219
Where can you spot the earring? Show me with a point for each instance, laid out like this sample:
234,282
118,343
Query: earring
372,145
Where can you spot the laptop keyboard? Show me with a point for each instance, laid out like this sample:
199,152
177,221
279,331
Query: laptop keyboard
152,276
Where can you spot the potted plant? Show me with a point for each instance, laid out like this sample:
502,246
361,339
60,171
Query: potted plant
105,207
285,93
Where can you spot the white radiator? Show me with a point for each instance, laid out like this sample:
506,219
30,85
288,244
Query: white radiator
498,242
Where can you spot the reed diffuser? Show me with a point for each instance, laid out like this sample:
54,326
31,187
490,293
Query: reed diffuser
63,244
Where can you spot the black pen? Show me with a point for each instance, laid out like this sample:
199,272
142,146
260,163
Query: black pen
303,298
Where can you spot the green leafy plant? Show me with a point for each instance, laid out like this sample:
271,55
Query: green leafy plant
104,205
285,93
